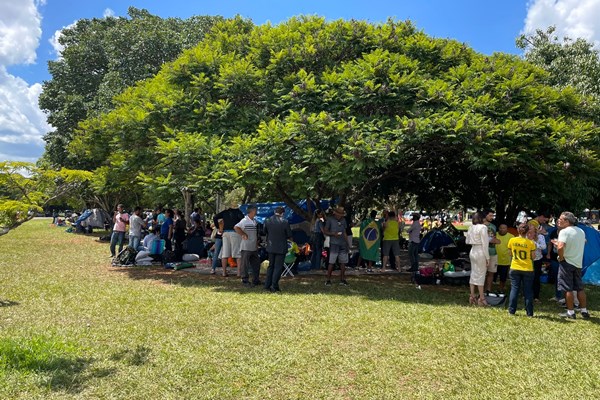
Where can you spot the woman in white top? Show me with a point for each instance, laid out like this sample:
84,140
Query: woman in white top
477,237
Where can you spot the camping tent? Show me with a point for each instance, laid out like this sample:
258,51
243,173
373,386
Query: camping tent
591,255
95,218
266,210
299,232
434,240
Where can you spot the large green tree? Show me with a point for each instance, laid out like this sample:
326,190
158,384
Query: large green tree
100,59
352,110
570,62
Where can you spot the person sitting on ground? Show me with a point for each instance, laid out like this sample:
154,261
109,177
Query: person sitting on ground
149,239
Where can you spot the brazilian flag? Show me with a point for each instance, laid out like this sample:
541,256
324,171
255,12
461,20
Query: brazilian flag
370,239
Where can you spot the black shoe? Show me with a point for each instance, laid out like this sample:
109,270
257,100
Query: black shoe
585,315
246,283
567,316
273,290
343,282
328,283
257,283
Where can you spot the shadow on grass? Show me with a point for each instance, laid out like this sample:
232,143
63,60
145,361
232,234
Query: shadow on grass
374,287
54,363
8,303
135,357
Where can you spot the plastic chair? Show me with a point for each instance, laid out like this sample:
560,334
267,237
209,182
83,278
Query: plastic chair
288,263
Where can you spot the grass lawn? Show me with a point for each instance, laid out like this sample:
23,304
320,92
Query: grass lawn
73,327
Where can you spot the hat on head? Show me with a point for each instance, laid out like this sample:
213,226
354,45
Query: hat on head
339,210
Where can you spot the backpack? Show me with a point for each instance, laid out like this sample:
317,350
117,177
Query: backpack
125,257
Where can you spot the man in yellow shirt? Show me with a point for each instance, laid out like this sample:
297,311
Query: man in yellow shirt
504,256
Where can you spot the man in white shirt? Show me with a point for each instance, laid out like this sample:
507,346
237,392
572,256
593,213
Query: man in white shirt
136,223
247,229
570,245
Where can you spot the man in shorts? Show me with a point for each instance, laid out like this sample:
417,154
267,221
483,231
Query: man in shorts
232,241
335,228
570,244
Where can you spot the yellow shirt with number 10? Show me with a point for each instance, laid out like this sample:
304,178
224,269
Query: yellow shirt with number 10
520,249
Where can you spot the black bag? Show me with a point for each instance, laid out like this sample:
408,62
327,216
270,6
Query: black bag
168,256
125,257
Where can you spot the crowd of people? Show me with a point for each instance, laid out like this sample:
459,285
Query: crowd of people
521,258
495,253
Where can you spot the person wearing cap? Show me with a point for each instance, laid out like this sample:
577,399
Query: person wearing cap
278,232
232,242
335,228
120,219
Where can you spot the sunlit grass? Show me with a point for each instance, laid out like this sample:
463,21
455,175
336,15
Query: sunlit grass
76,328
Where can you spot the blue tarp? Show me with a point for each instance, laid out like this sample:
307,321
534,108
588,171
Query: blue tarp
266,210
591,255
86,214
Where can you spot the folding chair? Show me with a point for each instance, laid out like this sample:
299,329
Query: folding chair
288,263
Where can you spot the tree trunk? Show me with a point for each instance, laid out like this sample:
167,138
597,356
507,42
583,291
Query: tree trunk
291,203
188,204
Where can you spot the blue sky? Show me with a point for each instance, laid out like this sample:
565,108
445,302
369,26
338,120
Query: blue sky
27,27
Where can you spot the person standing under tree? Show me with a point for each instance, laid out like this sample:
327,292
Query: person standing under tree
477,237
335,228
120,219
248,232
414,237
278,232
492,267
136,223
521,270
504,255
231,243
570,245
369,239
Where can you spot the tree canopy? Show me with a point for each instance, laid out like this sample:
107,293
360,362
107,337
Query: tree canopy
100,59
349,109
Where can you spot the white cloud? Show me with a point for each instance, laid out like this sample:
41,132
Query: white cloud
108,13
22,123
572,18
20,31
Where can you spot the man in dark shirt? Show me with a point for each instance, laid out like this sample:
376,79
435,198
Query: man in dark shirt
278,232
232,241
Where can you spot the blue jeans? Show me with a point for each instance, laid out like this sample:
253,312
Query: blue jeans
215,260
134,242
116,237
520,279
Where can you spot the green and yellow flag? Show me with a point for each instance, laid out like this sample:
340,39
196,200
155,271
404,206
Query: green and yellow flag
370,239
